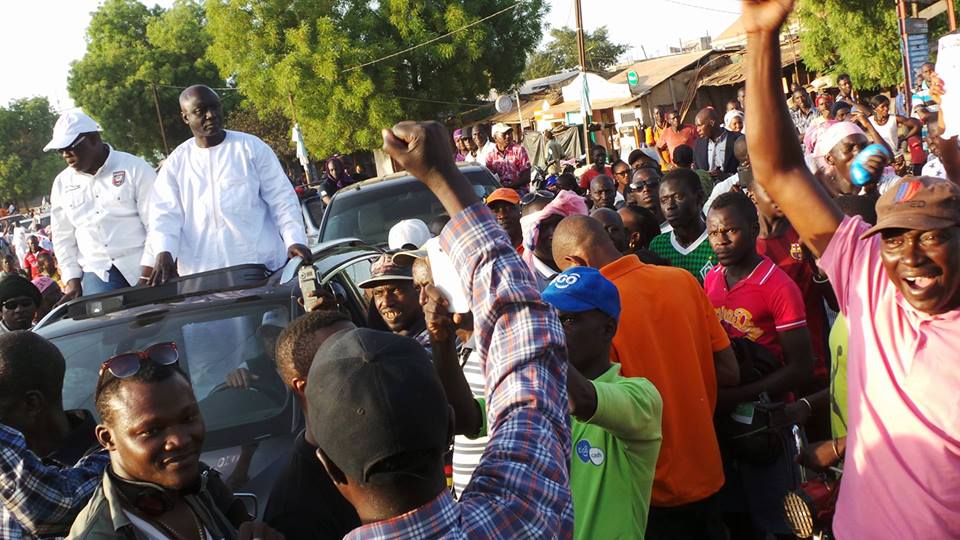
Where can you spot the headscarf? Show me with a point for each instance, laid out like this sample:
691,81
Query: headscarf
566,203
735,113
837,132
813,134
43,283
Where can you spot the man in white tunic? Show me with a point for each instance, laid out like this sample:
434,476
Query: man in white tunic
221,199
98,210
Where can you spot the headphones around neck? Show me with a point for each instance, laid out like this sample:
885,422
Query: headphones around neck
148,498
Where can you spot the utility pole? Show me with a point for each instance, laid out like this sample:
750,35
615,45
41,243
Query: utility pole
905,51
951,15
163,133
581,50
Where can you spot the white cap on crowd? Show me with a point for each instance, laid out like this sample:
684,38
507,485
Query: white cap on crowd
69,126
499,128
409,232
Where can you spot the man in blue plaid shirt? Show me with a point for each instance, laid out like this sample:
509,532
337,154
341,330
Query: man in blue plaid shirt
41,496
379,415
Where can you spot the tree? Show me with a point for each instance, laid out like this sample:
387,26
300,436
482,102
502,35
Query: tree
561,52
858,37
26,171
272,127
130,47
324,54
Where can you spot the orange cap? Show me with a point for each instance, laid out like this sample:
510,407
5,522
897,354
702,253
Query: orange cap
504,194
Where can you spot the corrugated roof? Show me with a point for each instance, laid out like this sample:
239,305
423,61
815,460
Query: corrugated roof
652,72
734,72
527,108
597,104
534,86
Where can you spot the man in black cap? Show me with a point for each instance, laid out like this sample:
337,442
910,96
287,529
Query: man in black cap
379,415
19,299
396,299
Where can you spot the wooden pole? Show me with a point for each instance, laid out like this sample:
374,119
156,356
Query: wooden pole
583,73
951,15
905,50
163,132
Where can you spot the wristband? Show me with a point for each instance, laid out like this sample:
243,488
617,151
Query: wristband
806,402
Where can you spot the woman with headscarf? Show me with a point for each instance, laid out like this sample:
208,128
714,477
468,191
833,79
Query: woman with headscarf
538,228
733,120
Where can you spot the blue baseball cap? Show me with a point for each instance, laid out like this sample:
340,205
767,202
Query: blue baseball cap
581,288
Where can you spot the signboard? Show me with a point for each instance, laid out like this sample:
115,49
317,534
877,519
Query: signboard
632,78
917,26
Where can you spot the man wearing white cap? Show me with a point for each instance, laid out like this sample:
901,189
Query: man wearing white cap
407,233
98,210
221,199
509,160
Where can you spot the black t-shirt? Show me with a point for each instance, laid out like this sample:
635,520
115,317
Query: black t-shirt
304,503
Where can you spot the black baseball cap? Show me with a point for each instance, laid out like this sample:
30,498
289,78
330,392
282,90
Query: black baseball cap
372,396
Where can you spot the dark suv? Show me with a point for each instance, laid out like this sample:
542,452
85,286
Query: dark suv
221,321
366,210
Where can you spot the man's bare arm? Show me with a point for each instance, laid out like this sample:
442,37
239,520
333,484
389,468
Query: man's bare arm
775,154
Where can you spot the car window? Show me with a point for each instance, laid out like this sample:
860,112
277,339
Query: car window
212,344
368,215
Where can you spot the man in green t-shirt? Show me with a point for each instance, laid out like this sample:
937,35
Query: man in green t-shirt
686,246
616,420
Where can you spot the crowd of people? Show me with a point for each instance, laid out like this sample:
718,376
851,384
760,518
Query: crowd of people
678,345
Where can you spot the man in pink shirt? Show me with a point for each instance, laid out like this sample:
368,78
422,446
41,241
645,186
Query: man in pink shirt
898,284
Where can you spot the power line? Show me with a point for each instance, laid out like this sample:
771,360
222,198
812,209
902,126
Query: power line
227,89
438,38
705,8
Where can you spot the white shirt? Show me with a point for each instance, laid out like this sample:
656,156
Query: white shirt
717,151
888,131
934,167
100,220
722,187
225,205
482,153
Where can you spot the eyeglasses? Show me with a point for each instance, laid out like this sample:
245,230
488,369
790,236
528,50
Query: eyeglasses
533,196
128,364
650,184
73,147
14,304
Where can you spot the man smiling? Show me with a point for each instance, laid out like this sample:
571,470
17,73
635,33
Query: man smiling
396,299
155,485
898,285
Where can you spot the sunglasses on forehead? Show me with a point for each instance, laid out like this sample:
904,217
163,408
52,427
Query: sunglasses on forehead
127,365
539,194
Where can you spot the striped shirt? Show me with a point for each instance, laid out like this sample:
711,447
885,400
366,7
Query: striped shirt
521,487
467,451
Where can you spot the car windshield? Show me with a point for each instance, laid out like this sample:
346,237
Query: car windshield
213,343
368,215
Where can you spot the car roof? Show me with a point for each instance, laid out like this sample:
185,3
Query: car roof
395,178
200,291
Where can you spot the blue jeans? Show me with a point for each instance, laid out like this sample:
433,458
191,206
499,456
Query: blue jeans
92,284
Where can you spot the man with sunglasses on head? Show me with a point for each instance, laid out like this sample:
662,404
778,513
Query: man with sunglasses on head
98,210
155,486
48,464
19,300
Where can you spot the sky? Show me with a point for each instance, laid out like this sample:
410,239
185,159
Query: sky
42,37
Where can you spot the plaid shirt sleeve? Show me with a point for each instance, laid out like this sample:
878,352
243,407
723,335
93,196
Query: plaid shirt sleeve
521,487
44,499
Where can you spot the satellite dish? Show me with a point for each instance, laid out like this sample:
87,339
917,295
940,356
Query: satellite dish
504,104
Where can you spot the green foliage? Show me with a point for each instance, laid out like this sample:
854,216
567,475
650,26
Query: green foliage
272,127
275,49
859,37
26,126
561,52
129,47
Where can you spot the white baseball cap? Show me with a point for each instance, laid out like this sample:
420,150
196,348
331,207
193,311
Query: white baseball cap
500,128
408,232
68,127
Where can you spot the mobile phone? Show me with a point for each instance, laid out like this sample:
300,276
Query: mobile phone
308,286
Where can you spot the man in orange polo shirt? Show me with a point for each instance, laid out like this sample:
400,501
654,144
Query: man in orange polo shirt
505,204
670,334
